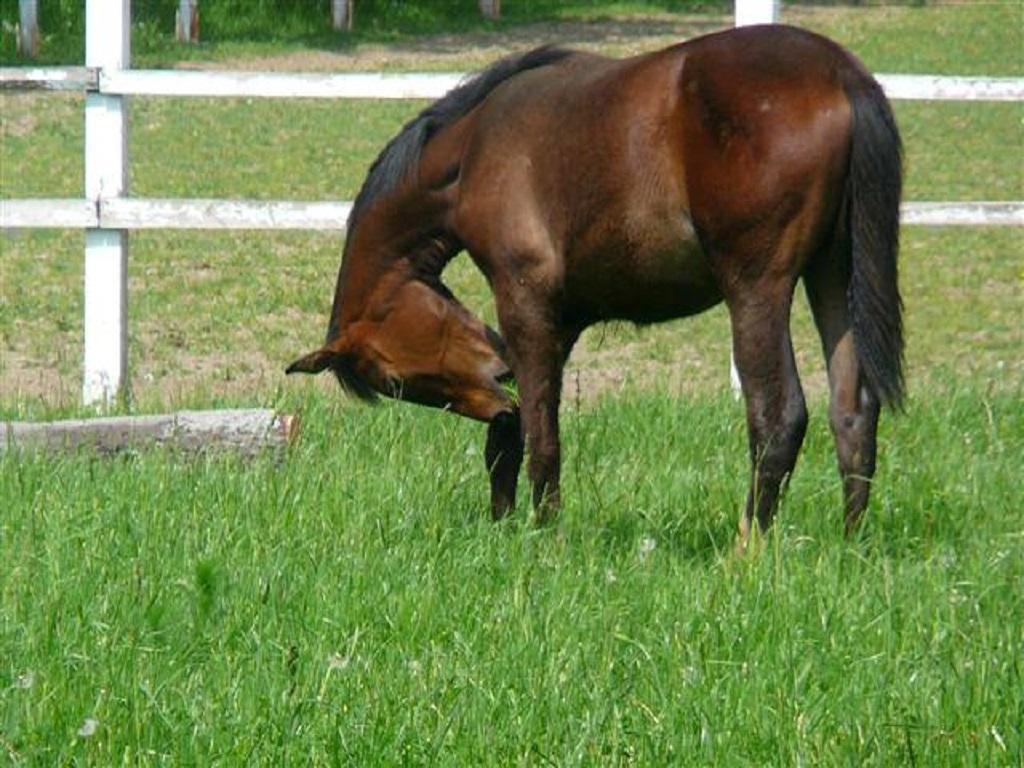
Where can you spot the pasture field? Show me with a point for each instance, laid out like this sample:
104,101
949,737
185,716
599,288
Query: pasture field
350,602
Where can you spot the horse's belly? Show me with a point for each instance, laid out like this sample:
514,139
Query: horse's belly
659,277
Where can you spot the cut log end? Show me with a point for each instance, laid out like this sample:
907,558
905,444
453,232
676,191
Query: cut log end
288,426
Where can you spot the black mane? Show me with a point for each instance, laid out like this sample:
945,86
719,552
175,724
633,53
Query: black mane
402,153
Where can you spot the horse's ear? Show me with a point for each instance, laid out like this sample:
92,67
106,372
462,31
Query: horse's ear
314,362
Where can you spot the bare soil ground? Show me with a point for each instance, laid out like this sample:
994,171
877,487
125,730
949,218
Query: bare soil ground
614,37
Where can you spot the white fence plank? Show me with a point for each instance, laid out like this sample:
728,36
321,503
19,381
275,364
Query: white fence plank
46,214
414,85
950,88
223,214
150,213
427,85
108,25
358,85
981,214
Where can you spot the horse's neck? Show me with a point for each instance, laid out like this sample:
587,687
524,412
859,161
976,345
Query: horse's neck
398,240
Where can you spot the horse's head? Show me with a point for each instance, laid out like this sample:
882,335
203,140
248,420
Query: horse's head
421,345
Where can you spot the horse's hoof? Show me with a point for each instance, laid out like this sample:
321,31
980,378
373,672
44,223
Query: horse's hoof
749,540
501,509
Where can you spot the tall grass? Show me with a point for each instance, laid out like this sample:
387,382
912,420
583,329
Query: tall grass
351,603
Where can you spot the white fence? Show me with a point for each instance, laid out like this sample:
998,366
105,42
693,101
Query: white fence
107,214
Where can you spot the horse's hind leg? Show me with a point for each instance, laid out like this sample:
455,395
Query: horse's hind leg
776,413
853,409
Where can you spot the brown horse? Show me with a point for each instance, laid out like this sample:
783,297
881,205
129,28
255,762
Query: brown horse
588,189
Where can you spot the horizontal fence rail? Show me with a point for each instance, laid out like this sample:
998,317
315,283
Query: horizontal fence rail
981,214
129,213
951,88
154,213
412,85
353,85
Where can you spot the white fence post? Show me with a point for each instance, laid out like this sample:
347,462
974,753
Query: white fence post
756,12
491,9
342,13
28,28
186,21
107,46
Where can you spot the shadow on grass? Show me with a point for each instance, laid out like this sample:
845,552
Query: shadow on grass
701,536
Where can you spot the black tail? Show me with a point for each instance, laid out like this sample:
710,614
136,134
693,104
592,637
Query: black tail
873,190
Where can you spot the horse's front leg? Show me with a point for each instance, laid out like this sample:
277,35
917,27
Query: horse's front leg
540,385
538,348
503,455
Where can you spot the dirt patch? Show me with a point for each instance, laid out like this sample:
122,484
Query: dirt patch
23,123
25,380
614,37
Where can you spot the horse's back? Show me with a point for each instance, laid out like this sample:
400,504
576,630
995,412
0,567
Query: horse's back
612,178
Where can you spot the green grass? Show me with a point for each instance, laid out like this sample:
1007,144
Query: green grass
321,149
351,603
981,37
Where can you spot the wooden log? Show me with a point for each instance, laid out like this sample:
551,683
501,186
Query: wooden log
244,431
48,79
342,14
491,9
28,28
186,22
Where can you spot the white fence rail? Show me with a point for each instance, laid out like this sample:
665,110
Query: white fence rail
106,213
177,213
420,85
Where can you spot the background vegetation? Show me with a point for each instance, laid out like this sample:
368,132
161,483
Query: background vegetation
308,22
